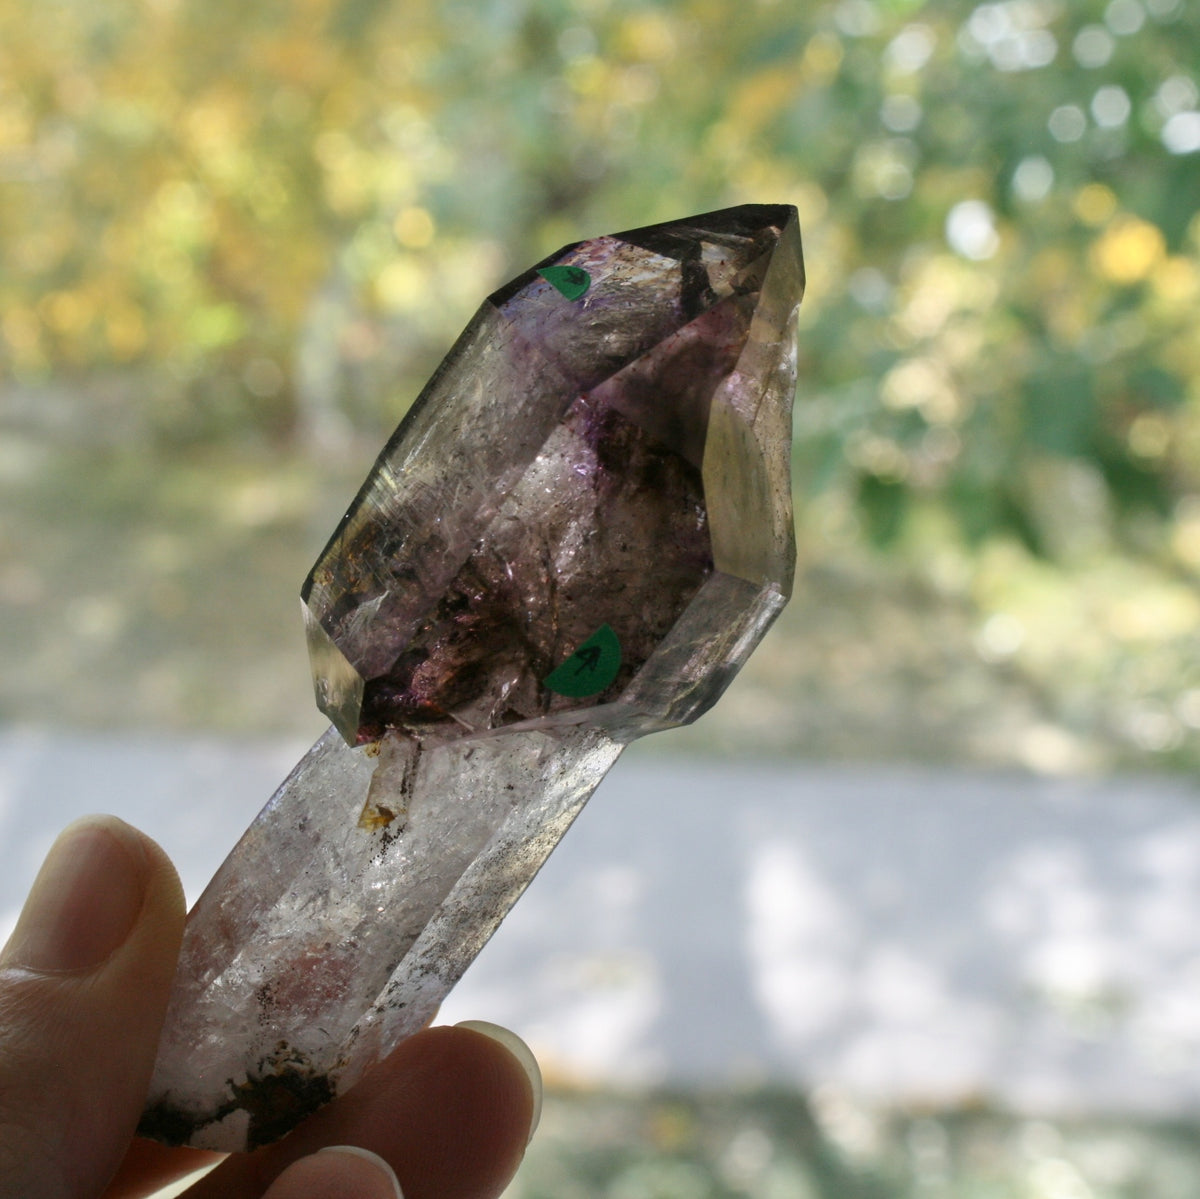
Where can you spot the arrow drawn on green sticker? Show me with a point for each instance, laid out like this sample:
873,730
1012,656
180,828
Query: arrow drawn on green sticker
571,281
590,668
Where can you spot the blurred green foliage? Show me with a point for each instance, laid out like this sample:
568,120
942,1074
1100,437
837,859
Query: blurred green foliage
267,216
255,228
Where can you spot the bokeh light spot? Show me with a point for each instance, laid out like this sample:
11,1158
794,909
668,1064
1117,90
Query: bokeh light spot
971,230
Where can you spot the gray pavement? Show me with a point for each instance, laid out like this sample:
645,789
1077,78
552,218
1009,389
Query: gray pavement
906,935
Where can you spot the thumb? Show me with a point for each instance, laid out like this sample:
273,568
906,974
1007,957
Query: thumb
84,981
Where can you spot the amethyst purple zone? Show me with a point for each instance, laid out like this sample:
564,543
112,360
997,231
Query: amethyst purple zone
616,459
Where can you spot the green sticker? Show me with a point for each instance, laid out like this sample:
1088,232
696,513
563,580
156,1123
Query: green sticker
571,281
590,668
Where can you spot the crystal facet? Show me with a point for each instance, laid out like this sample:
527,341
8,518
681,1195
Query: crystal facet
576,536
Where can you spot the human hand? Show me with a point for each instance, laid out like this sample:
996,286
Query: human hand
84,981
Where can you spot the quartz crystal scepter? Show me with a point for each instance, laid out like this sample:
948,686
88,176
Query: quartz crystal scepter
575,537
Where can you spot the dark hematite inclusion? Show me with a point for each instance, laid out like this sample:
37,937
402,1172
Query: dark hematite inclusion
284,1091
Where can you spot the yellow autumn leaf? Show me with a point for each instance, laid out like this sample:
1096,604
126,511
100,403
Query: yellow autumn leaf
1128,250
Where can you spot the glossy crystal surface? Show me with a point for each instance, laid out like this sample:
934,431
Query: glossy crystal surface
576,536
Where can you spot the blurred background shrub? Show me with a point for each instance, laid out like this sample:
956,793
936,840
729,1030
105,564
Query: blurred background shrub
236,238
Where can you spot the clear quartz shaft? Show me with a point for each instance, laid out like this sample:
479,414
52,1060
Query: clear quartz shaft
321,943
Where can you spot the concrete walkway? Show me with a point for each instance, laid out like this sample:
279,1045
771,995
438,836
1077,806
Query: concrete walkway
907,935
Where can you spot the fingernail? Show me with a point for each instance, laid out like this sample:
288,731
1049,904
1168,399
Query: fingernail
85,900
522,1053
374,1158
